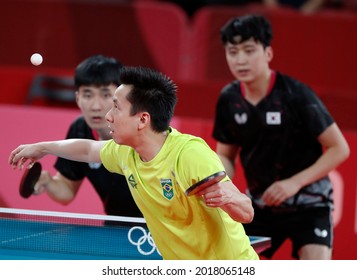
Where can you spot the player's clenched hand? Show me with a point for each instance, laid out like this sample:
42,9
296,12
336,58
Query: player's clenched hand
280,191
215,195
228,197
25,154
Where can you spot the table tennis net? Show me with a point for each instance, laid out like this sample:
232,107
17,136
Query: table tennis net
63,235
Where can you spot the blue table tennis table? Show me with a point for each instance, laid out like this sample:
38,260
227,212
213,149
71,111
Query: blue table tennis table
39,240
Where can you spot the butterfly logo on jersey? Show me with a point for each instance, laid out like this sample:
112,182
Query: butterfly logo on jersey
241,119
273,118
167,188
94,165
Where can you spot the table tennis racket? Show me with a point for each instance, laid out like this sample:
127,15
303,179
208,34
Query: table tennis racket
29,180
206,182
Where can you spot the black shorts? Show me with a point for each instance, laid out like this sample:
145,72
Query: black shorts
302,226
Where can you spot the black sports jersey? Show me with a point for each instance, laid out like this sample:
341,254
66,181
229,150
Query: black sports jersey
277,137
111,188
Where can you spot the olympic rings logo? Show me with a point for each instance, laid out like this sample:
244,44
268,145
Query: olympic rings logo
142,240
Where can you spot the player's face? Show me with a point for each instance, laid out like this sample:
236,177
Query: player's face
248,61
94,103
123,126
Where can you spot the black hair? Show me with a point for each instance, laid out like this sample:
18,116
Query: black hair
152,92
98,70
240,29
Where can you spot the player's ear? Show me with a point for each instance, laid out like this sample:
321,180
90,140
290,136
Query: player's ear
269,53
144,119
77,97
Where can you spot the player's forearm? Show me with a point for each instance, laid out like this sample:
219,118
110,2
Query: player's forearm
331,159
61,189
271,3
228,165
72,149
312,6
336,150
241,212
55,187
238,206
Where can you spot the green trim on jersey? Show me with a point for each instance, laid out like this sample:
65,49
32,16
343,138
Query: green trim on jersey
182,227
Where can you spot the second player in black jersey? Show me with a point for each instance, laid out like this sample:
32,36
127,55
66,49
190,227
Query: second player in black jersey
286,140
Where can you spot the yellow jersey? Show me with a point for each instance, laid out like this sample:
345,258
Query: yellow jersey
182,227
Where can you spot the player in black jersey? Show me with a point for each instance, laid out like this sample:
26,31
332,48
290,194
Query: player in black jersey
96,79
286,140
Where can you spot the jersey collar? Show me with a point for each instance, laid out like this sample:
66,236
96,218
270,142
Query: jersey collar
95,134
271,84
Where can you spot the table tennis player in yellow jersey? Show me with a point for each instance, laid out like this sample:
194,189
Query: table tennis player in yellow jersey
160,164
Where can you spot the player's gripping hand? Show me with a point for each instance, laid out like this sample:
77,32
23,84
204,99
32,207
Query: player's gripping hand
228,197
216,195
42,183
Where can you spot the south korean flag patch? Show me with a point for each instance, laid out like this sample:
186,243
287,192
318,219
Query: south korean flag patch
273,118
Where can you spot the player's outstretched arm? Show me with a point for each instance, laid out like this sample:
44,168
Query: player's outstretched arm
83,150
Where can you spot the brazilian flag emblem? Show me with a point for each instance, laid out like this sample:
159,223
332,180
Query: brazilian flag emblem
167,189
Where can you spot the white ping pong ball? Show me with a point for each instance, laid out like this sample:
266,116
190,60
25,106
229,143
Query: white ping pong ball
36,59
